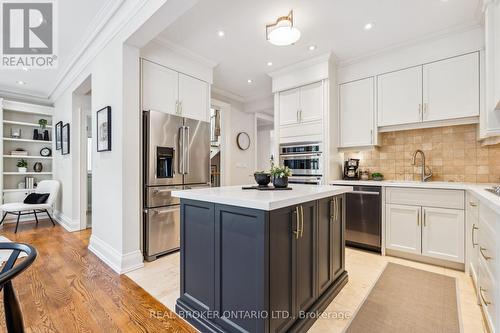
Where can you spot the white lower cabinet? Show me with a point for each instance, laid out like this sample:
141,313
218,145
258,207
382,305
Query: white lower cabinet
413,225
403,228
443,233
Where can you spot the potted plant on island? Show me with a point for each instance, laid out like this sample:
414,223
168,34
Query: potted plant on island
22,166
280,176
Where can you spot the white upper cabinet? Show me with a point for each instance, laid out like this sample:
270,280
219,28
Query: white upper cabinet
451,88
443,234
171,92
289,102
159,88
193,98
311,102
357,112
400,97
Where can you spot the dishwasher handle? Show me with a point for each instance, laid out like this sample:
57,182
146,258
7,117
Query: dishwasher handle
365,192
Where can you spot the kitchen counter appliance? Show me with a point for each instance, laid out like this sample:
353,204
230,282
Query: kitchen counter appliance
176,156
305,162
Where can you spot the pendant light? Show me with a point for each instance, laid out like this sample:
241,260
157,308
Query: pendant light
282,32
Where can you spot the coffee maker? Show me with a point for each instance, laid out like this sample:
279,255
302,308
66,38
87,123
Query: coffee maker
351,169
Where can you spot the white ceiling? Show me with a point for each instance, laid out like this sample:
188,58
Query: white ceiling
332,25
75,20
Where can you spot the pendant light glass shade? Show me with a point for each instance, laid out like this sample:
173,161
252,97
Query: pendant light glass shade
283,32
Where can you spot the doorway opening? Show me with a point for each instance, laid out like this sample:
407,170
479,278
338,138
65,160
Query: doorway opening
82,106
215,147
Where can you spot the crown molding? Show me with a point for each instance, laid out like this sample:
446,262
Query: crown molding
184,52
86,51
24,96
420,40
301,65
227,94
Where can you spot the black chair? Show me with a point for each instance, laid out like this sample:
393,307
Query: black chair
13,314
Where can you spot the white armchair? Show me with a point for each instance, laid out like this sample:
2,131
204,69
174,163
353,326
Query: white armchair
20,208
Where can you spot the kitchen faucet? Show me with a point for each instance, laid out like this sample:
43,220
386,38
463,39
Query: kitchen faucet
424,176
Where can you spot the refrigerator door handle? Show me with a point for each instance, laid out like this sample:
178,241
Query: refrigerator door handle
181,150
186,145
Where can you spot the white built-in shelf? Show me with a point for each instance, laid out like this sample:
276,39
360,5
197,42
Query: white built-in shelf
29,156
21,123
27,140
26,173
19,190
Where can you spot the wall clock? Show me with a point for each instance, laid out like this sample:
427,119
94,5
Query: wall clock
46,152
243,140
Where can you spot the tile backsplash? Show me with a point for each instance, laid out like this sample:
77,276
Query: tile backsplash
452,154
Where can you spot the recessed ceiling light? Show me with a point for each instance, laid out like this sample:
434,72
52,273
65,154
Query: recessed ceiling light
312,47
221,33
368,26
269,63
249,81
21,83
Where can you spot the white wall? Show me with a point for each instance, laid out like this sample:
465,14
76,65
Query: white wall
242,161
115,77
264,147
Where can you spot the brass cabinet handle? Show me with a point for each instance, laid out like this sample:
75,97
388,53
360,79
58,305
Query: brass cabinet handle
297,214
332,210
418,218
474,228
472,203
302,221
481,289
425,218
481,249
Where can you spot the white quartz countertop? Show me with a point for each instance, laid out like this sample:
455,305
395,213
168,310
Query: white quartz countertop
479,190
263,200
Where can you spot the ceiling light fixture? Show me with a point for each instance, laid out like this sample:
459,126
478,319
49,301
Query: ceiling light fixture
368,26
221,33
21,83
312,47
269,63
249,81
282,32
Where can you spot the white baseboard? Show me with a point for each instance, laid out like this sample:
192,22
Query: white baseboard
66,222
120,263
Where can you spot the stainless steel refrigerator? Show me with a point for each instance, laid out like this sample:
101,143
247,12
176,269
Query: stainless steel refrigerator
176,157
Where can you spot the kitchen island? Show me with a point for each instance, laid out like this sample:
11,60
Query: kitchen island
260,261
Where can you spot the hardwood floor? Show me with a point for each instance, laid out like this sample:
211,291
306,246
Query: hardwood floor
68,289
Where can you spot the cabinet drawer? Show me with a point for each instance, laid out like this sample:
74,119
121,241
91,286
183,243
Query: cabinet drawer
487,290
426,197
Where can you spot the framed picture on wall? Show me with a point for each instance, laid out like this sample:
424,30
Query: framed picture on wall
104,129
65,140
58,134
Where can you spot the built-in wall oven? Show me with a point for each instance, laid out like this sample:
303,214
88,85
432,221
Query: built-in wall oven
305,161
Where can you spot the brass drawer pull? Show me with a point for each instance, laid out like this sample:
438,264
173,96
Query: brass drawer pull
472,203
474,228
481,249
481,289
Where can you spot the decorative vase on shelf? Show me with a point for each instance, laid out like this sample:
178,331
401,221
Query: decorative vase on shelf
280,182
38,167
35,134
22,170
46,135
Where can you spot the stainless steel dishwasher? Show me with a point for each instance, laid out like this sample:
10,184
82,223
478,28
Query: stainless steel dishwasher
364,217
